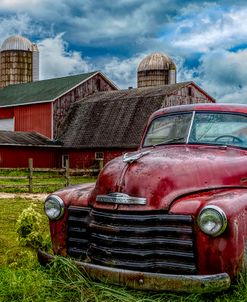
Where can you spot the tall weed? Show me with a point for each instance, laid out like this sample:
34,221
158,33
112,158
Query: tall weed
29,229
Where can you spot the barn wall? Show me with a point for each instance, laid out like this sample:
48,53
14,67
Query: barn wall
193,92
48,157
62,104
186,95
6,113
84,159
36,117
17,157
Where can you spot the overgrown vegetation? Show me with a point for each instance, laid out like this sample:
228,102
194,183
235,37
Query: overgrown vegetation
23,279
28,228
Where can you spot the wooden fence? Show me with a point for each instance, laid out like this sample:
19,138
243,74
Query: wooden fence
64,173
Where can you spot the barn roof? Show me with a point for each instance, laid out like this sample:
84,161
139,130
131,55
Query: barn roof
41,91
114,118
19,138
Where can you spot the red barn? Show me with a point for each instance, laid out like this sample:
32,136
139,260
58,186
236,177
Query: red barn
41,106
72,119
108,124
82,117
17,147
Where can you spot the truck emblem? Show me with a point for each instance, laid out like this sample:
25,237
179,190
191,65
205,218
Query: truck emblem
121,198
131,157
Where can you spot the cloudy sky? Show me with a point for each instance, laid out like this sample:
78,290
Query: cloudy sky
206,39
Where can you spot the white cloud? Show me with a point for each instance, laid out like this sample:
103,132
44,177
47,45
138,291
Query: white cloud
15,4
88,21
57,60
222,73
210,29
235,97
123,71
18,24
101,25
123,32
32,7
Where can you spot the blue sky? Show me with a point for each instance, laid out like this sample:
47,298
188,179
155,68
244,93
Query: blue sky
206,39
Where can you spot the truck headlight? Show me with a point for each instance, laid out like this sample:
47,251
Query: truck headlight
54,207
212,220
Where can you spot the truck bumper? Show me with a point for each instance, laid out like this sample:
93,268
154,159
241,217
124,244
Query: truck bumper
149,281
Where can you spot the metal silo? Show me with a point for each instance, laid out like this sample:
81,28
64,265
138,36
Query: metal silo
156,69
19,61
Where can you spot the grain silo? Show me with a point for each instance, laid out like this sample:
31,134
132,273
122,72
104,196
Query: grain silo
156,69
19,61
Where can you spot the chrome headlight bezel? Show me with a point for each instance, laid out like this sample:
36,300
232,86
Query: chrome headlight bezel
212,220
54,207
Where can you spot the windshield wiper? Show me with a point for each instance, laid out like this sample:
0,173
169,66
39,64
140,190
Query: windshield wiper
171,141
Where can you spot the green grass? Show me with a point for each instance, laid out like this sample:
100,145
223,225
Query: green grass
10,252
23,279
49,181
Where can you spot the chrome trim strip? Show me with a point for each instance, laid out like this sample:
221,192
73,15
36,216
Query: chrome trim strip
121,198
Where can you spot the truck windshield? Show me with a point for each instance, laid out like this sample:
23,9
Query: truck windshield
201,128
168,129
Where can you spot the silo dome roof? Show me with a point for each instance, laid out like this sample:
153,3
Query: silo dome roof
156,61
17,43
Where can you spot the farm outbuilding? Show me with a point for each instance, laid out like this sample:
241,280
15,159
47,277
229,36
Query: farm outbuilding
84,118
98,127
17,147
19,61
41,106
108,124
156,69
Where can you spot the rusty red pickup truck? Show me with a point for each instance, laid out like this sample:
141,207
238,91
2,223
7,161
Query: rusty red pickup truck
170,216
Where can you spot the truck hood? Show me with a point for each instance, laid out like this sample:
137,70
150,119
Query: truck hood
164,173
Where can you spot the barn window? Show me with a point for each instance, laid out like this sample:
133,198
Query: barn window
189,91
99,155
65,157
7,124
98,84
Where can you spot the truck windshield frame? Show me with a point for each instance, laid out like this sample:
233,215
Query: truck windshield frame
198,127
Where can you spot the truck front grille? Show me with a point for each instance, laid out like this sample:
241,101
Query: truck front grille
147,241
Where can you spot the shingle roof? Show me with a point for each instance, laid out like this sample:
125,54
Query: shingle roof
114,118
24,139
39,91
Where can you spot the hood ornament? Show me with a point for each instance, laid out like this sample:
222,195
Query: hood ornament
131,157
121,198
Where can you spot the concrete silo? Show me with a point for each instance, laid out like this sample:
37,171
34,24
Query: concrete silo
19,61
156,69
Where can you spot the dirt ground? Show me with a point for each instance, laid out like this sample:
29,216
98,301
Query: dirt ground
23,195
